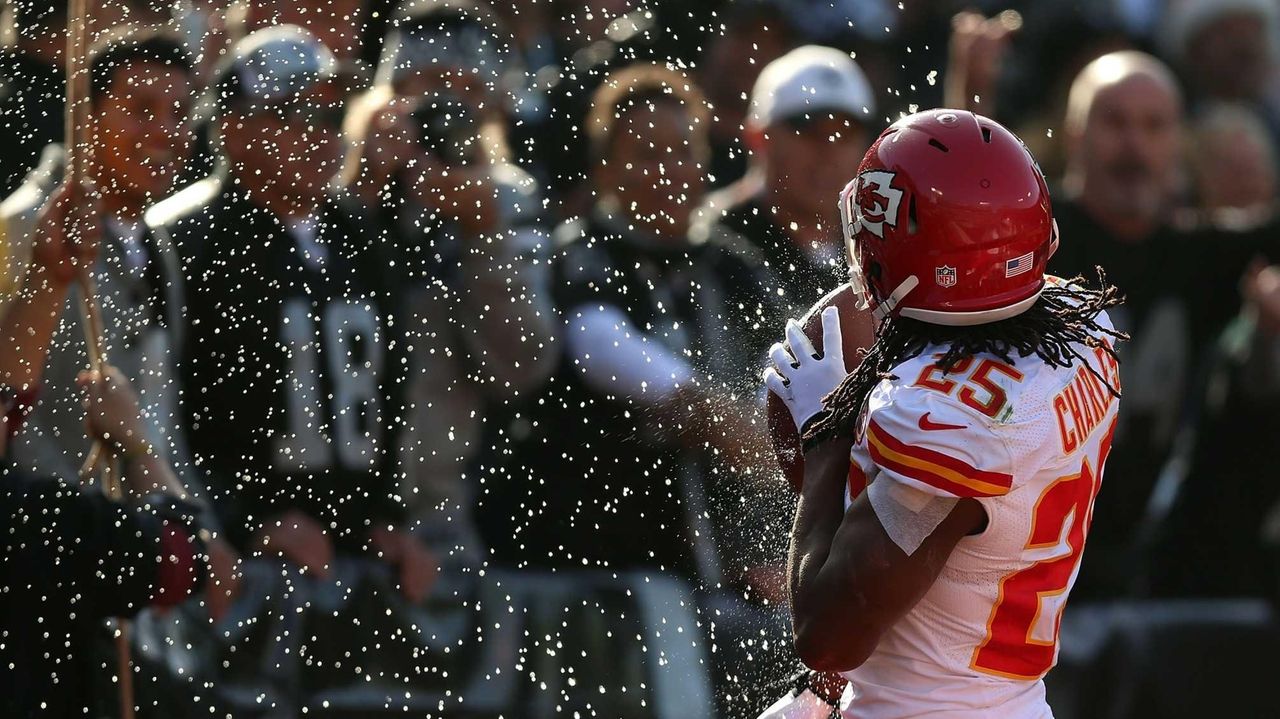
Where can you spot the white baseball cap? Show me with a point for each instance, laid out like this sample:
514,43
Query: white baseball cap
810,79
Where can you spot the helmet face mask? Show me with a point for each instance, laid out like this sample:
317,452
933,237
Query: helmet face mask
864,272
849,220
948,221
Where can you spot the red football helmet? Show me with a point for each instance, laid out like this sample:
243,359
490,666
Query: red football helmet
948,221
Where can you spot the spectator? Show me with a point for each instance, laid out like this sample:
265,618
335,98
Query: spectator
807,129
32,87
1123,133
453,45
335,23
645,309
32,76
478,303
1233,159
595,37
1129,182
310,466
1216,482
754,34
1224,48
650,416
71,558
139,96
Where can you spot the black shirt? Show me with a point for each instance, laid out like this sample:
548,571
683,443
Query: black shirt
801,278
589,479
71,559
292,369
1181,287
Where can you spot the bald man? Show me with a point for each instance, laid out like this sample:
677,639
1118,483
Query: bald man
1124,131
1123,134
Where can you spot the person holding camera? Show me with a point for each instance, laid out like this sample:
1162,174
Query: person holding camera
429,160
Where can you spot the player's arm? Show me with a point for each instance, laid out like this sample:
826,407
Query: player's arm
849,580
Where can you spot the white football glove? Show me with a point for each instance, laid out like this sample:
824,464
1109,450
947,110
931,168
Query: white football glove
805,705
799,377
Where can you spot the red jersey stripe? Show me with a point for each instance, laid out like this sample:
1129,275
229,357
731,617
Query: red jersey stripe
952,475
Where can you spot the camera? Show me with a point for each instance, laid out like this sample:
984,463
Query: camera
446,128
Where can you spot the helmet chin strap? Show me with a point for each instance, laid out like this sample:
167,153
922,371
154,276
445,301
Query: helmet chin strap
883,309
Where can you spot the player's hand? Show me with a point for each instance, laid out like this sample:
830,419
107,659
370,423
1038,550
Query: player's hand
299,540
416,565
57,251
1262,289
462,194
799,377
111,410
977,50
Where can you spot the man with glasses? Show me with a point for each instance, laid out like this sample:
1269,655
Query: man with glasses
292,366
806,129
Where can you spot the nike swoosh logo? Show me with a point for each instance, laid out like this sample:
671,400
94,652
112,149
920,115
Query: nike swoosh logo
928,424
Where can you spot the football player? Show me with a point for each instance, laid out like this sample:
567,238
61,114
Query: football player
949,480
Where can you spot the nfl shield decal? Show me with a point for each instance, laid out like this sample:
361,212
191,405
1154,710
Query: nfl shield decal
945,276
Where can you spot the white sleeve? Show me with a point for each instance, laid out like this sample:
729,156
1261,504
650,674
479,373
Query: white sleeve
929,453
615,357
925,440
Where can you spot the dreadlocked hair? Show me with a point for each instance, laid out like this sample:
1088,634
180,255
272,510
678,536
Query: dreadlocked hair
1064,317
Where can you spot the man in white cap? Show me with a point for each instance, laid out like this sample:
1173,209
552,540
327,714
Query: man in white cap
806,129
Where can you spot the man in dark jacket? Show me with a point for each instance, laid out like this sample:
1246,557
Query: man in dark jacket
293,376
662,339
291,318
644,453
1180,277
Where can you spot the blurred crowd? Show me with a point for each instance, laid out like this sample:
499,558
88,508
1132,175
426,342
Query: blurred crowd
419,310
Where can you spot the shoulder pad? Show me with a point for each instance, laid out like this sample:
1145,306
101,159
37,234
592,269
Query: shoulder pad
18,214
928,441
31,195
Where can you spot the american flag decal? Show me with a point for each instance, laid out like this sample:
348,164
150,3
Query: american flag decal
1018,265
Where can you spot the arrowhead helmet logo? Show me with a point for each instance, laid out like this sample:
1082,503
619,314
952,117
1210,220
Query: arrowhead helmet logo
878,203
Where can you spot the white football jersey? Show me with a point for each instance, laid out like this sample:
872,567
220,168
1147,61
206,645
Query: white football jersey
1028,441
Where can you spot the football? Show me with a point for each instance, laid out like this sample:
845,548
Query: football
857,330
